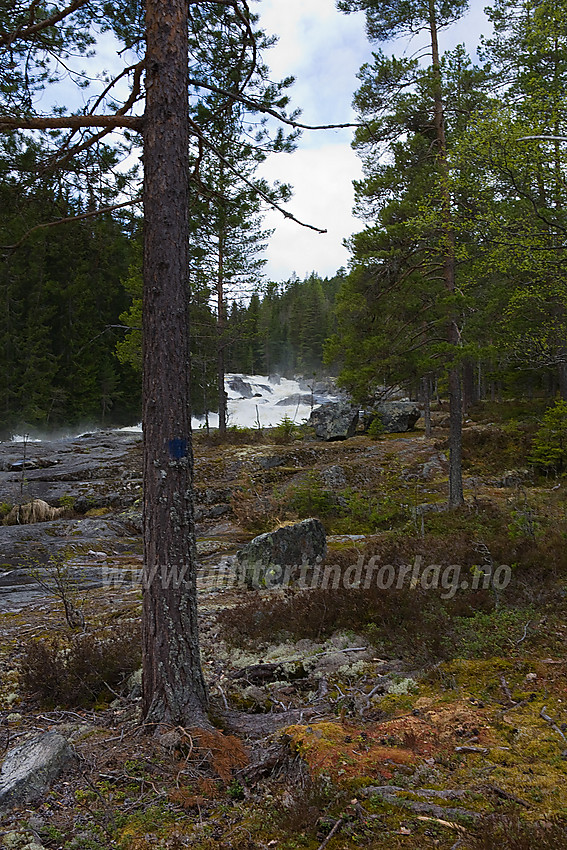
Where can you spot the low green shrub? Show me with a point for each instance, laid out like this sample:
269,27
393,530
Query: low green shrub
309,498
492,450
348,512
376,429
549,449
486,634
285,432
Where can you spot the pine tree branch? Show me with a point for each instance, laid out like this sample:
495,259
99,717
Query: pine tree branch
69,122
268,110
543,138
27,32
260,192
526,246
102,333
532,201
67,220
136,85
60,158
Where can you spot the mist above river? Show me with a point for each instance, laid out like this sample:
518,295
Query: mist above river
254,401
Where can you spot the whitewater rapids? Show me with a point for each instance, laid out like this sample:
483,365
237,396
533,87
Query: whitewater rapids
272,399
254,401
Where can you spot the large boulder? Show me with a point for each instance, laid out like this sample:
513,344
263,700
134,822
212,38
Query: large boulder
276,558
30,768
240,386
334,421
395,416
294,399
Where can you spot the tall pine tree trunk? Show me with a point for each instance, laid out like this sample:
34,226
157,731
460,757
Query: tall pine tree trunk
426,383
456,497
173,686
221,324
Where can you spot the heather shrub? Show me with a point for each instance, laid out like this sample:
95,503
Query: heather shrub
510,832
80,669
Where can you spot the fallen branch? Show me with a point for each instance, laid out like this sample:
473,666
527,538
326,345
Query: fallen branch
468,749
332,833
551,722
127,777
507,692
387,794
447,823
526,627
505,795
275,758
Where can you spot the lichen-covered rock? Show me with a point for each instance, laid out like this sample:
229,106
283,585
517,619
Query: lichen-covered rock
334,477
334,421
29,769
395,416
514,478
276,558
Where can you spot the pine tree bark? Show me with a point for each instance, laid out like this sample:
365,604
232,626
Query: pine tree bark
469,386
173,688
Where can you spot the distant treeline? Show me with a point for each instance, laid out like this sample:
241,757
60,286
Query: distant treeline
71,302
285,328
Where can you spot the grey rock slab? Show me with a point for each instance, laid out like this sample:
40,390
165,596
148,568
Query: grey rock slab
298,398
274,558
271,461
92,464
514,478
30,768
334,421
21,545
19,588
334,476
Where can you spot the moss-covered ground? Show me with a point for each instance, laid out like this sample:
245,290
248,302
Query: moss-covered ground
400,717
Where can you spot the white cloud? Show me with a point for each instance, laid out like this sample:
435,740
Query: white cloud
324,50
323,197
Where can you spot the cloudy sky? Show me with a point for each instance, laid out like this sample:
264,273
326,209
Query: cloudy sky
324,49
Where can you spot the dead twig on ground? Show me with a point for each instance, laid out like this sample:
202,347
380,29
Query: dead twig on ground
333,832
507,692
552,723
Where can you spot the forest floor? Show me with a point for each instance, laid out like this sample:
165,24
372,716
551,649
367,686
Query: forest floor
408,716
